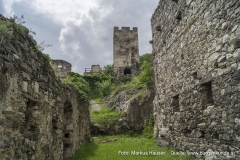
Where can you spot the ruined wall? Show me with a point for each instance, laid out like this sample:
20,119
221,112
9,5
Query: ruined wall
125,51
196,49
40,117
96,69
62,68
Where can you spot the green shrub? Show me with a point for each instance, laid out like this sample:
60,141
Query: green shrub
146,74
80,83
6,32
47,62
145,57
100,84
148,128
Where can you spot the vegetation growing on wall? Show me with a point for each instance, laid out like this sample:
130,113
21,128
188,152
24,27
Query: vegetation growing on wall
80,83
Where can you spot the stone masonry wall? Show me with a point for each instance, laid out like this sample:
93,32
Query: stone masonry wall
125,51
196,49
40,117
62,68
96,69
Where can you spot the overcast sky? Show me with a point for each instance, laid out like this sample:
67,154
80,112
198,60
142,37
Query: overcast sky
81,31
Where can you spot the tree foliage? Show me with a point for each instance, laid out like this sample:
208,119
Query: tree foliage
100,84
108,69
145,57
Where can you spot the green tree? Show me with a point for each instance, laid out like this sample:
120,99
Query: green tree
98,83
145,57
108,69
146,74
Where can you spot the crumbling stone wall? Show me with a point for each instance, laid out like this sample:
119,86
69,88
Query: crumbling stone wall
40,117
96,69
125,51
196,49
62,68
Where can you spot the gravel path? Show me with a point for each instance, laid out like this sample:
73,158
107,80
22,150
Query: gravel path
94,105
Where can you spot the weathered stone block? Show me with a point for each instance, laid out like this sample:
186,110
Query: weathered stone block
25,86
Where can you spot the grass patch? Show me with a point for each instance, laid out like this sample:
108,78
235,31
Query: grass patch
118,144
104,116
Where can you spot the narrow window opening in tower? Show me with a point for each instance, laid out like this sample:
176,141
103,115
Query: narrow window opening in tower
179,16
66,135
127,71
175,103
207,97
182,56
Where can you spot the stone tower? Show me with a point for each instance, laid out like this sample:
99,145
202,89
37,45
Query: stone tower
125,52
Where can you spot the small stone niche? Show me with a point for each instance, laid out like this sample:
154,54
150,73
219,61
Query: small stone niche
194,75
4,70
175,103
207,96
187,132
215,136
158,28
29,127
176,1
179,16
66,135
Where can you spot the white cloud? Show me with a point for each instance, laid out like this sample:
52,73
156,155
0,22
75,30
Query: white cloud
83,28
62,10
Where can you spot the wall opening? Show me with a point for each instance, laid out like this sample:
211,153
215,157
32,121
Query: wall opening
179,16
176,1
66,135
29,128
127,71
158,28
175,103
68,121
207,97
202,134
54,130
195,75
215,136
4,70
187,132
182,56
